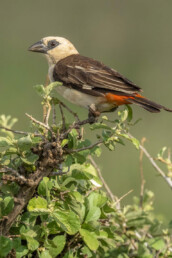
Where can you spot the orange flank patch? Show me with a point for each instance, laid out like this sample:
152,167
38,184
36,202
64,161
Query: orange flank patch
120,100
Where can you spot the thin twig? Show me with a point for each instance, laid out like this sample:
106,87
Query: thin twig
48,113
54,114
141,174
68,109
167,179
13,131
103,180
63,117
84,148
123,196
38,122
47,81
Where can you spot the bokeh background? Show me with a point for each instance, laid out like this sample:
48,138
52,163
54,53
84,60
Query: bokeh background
134,37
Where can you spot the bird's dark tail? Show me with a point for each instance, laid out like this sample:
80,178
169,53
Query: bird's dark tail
148,104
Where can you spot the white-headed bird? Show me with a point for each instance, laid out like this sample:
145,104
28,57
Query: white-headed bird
87,82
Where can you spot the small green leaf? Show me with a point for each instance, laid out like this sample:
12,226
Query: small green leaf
68,220
32,243
93,214
130,113
123,115
37,203
96,199
45,254
64,142
24,143
136,143
58,245
21,251
90,239
8,205
100,126
5,246
40,89
45,186
51,86
73,138
161,152
5,142
30,158
157,243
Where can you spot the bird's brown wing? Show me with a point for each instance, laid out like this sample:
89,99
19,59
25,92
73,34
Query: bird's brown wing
93,77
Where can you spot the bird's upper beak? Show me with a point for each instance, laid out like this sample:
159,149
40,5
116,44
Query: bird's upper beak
38,47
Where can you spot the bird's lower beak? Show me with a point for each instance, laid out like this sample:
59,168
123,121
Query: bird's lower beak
38,47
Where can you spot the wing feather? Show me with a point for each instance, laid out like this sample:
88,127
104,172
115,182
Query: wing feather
84,73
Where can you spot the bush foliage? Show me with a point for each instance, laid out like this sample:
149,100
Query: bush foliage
52,200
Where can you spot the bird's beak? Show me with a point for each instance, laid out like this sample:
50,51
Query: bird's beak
38,47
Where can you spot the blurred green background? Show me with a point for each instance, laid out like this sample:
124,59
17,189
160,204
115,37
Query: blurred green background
134,37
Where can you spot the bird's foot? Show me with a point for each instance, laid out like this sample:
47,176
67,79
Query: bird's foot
93,115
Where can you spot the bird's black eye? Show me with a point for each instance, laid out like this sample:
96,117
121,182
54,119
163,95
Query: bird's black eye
53,43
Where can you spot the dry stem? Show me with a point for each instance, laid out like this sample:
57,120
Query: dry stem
166,178
141,174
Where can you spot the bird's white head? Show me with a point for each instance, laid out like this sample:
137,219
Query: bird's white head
54,48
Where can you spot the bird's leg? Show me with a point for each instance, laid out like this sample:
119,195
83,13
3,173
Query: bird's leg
93,114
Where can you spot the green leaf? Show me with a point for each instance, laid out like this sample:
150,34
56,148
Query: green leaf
68,220
40,89
130,113
73,138
30,158
32,244
5,142
20,249
93,214
161,152
100,126
123,115
136,143
96,199
45,254
51,86
64,142
69,160
157,243
37,203
90,239
86,251
79,158
5,246
58,245
24,143
96,151
8,204
45,186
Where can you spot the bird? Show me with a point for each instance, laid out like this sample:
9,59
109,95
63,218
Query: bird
87,82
